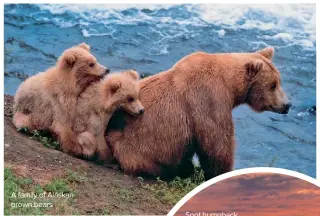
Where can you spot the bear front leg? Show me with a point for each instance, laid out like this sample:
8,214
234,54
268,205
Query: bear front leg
67,139
104,152
88,142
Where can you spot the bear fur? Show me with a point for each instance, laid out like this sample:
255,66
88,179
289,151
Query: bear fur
47,100
97,104
188,109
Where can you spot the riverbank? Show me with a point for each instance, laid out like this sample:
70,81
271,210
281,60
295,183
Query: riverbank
42,180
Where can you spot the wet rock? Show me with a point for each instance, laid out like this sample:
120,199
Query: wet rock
313,110
144,75
16,74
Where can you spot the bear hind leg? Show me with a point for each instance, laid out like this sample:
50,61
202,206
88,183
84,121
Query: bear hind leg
216,157
186,167
138,165
21,120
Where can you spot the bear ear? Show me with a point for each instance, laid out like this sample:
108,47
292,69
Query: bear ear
114,86
253,68
134,74
267,52
84,46
67,61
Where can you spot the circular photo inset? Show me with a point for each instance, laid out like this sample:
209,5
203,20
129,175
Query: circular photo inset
262,193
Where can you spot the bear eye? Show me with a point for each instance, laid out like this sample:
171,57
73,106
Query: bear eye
130,99
91,65
273,86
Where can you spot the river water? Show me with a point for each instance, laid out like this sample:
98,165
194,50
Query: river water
151,38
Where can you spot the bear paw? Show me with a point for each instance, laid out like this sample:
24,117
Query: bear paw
87,142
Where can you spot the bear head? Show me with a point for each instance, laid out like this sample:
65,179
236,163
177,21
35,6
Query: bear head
77,61
123,87
265,92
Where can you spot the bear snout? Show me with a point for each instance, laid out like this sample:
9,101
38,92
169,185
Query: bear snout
105,72
141,111
138,112
288,105
286,108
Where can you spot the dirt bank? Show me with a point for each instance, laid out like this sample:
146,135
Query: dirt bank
98,190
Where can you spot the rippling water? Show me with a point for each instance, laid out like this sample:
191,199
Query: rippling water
151,38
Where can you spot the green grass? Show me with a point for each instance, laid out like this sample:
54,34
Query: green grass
42,136
125,194
76,177
66,183
58,185
105,211
15,186
172,192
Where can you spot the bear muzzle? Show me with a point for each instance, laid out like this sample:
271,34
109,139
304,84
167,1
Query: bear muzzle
105,72
284,109
287,107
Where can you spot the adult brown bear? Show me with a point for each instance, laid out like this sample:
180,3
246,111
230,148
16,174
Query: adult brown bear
188,110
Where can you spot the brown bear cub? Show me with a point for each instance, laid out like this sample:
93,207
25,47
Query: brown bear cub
47,100
95,107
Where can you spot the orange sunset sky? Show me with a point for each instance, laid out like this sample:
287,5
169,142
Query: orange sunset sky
262,194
